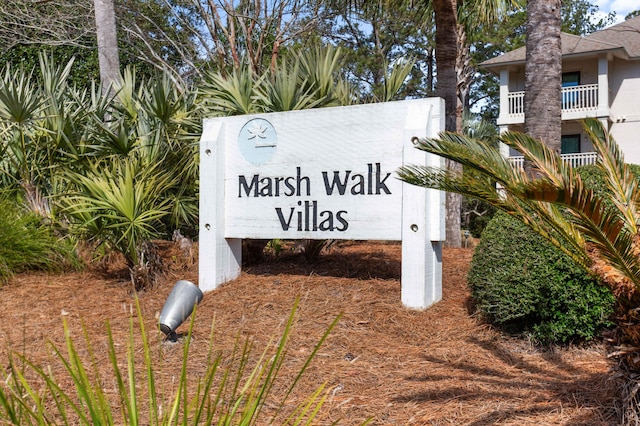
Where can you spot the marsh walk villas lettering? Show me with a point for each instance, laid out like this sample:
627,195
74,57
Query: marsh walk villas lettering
322,174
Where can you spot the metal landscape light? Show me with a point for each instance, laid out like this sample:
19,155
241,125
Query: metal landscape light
179,305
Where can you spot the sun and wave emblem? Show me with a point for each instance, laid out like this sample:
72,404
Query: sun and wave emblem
257,141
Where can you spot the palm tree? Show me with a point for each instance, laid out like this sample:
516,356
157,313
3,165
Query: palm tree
450,45
446,18
108,56
543,71
450,32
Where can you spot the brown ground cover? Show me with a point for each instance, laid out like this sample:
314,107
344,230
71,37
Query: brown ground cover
397,366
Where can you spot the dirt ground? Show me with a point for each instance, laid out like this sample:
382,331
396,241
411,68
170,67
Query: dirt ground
397,366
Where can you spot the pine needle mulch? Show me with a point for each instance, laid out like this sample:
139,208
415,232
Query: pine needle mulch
382,361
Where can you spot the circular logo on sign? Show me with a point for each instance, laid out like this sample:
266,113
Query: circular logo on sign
257,141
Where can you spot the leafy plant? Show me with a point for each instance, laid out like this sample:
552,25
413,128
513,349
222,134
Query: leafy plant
523,284
599,230
554,202
26,244
122,207
232,94
226,394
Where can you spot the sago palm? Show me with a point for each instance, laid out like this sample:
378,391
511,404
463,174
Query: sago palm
543,201
599,231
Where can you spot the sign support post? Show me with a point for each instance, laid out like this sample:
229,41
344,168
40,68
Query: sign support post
219,258
423,228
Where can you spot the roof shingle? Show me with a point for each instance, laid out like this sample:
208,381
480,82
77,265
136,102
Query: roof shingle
622,39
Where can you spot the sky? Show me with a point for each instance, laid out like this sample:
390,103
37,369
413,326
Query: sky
621,7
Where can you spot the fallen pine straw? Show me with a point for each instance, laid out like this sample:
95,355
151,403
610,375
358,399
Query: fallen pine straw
395,365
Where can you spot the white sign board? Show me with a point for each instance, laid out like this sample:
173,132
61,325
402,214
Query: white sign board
325,173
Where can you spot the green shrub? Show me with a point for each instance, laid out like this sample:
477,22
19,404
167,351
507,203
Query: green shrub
26,244
593,178
523,284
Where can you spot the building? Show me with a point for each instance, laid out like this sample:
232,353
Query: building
600,78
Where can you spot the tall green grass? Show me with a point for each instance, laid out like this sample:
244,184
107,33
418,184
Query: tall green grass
228,393
27,244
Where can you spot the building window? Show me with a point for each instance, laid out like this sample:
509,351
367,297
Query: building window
570,79
570,144
570,99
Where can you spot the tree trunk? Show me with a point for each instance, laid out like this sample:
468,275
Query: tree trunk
446,88
543,73
107,43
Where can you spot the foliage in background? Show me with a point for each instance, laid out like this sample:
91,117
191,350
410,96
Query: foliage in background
131,159
27,244
579,17
227,393
309,79
377,34
523,284
66,29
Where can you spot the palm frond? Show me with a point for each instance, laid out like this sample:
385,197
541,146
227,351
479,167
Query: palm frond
486,11
555,202
472,153
286,90
234,94
125,200
545,219
19,99
601,227
544,161
54,77
394,79
618,177
318,69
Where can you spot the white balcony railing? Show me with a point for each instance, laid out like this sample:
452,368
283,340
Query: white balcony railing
580,98
516,104
574,160
574,99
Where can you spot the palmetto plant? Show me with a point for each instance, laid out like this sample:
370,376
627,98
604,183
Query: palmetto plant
138,175
286,89
599,231
161,122
21,108
42,125
232,94
53,137
121,205
309,79
320,68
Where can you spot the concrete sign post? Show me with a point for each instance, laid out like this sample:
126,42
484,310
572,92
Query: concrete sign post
325,173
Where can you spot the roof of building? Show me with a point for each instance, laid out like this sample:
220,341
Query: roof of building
622,39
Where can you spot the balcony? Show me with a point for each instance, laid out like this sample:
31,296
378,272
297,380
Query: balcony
576,101
574,160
